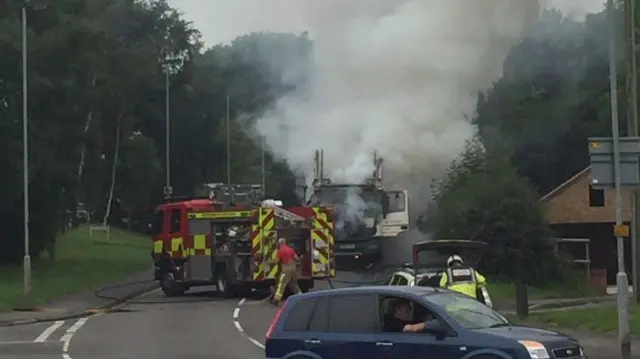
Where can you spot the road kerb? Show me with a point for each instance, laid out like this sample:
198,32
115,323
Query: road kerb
85,312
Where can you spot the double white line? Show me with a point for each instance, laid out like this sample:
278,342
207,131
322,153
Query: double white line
66,338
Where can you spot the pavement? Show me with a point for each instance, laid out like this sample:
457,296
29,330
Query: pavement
198,325
83,303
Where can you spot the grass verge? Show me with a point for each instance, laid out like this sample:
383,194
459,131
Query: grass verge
505,292
82,263
597,319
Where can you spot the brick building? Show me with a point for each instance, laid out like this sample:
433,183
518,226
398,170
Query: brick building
582,219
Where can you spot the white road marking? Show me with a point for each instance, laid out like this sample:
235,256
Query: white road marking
68,335
73,329
236,322
238,327
66,338
47,332
256,343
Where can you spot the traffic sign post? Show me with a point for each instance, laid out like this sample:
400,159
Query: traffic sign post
602,162
614,164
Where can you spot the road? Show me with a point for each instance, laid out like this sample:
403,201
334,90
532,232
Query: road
197,326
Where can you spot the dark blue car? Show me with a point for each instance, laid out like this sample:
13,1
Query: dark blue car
361,323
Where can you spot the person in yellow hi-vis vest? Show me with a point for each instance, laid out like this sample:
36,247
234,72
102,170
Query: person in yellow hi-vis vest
462,278
287,259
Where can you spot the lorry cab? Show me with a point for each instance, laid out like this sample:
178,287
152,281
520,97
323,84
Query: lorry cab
395,214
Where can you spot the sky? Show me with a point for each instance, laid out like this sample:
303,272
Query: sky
220,21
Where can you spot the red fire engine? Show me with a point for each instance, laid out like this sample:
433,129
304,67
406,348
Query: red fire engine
198,241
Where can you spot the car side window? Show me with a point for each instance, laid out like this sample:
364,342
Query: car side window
354,314
392,280
402,281
396,312
299,317
320,318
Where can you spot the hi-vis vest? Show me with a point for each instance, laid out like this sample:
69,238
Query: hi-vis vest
461,275
462,280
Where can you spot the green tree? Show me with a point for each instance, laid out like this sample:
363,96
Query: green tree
554,94
96,78
483,198
138,172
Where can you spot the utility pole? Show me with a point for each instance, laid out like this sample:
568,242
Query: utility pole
632,125
26,263
25,155
167,102
228,127
622,281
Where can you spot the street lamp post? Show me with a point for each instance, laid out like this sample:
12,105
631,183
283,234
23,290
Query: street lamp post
36,5
167,85
622,281
25,154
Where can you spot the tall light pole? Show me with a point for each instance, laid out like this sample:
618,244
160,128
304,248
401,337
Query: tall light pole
25,153
36,5
168,190
228,128
632,124
622,281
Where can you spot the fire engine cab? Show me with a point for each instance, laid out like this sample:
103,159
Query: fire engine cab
207,241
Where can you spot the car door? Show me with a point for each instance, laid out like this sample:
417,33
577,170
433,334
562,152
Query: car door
418,345
343,327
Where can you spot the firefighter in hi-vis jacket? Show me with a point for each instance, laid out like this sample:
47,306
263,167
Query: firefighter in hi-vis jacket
287,258
462,278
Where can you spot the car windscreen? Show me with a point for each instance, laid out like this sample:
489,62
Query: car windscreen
467,311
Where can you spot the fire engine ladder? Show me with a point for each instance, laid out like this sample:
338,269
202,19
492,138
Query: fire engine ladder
286,215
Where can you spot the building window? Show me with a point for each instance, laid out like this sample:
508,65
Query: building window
596,197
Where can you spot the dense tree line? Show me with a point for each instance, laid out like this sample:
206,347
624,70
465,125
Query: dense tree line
97,116
533,128
97,111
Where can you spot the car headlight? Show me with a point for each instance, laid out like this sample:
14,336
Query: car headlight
536,350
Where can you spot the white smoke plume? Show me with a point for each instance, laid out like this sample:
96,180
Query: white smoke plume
397,76
400,77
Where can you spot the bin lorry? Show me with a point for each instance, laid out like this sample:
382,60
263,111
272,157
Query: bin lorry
366,214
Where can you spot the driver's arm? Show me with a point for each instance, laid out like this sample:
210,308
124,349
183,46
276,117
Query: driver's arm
414,328
444,280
